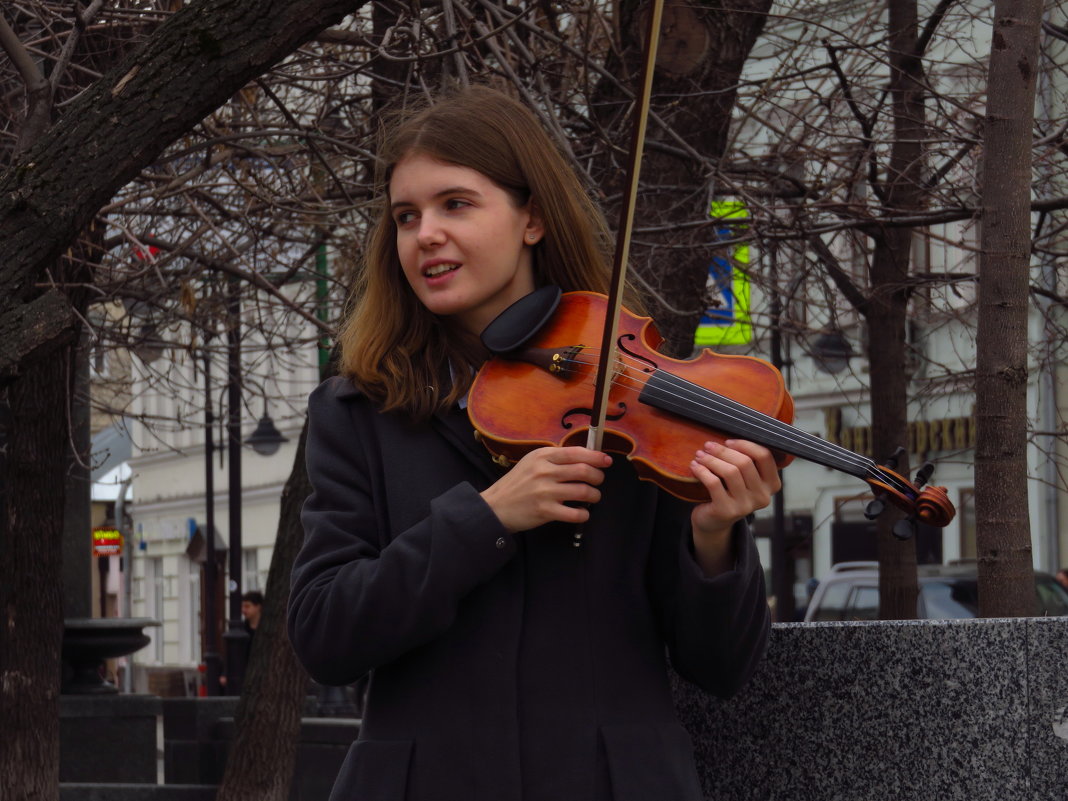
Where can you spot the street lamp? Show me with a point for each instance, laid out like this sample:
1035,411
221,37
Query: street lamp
212,659
832,352
265,440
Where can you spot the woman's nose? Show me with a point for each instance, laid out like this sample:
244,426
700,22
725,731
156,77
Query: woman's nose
431,232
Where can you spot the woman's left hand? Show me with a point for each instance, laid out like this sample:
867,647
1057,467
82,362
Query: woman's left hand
740,477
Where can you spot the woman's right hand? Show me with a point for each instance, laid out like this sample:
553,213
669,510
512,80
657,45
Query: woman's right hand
548,485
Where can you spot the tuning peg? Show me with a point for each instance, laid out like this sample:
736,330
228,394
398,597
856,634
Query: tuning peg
895,457
923,474
874,508
904,529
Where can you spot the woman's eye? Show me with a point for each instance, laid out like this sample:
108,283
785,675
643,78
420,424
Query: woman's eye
455,203
404,217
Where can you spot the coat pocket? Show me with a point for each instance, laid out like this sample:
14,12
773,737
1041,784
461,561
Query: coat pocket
651,761
374,770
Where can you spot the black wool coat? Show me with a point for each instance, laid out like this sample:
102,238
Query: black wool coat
505,667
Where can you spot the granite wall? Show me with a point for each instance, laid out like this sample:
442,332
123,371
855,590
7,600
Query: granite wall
901,711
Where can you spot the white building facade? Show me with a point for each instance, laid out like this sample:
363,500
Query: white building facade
169,503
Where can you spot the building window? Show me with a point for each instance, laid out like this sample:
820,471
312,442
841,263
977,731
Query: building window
189,606
250,573
195,613
100,361
852,534
153,598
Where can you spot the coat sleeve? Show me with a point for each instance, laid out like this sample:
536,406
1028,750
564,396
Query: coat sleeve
716,629
360,598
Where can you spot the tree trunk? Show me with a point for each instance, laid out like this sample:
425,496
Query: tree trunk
191,65
35,457
261,763
1003,530
702,51
887,309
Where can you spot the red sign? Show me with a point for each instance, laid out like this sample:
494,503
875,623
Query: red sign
106,542
153,251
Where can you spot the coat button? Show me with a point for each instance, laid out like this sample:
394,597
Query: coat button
501,543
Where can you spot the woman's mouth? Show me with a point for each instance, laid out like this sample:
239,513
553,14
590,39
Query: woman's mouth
440,269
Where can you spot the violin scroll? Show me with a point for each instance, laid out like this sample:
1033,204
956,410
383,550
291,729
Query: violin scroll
934,508
926,504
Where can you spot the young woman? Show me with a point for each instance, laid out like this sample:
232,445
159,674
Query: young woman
506,663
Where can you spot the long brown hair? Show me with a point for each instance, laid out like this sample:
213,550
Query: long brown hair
399,353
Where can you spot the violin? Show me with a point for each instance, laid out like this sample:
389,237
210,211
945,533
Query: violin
536,390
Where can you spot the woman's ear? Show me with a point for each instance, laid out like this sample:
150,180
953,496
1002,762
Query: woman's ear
535,226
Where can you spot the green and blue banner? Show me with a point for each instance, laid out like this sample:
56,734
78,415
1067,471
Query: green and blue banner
728,322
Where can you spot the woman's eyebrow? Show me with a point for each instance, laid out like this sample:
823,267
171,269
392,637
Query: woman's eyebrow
452,190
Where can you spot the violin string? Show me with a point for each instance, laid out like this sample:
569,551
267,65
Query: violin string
730,409
807,444
799,443
790,438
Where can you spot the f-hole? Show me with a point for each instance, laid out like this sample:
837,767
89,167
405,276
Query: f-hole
651,364
588,413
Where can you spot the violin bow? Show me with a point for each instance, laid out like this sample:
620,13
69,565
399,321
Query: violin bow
606,363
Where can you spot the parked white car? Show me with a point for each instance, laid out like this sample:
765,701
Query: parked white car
851,592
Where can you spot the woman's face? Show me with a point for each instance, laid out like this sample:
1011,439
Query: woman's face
463,243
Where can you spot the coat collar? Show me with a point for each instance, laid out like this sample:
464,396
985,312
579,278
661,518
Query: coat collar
346,389
452,424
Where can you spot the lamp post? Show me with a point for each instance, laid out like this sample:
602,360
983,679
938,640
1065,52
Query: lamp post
265,440
236,637
212,659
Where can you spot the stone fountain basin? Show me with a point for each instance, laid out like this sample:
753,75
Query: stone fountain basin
88,641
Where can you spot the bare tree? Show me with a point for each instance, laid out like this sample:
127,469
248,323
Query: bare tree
700,59
886,307
869,158
1003,525
193,63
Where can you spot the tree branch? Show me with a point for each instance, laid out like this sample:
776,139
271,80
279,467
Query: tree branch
38,90
841,278
33,330
191,65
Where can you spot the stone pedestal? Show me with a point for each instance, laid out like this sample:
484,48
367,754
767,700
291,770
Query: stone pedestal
88,641
198,733
892,711
193,752
108,738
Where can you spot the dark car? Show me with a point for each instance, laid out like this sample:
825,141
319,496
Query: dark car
851,592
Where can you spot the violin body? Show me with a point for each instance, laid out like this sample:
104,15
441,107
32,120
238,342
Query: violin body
540,395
